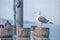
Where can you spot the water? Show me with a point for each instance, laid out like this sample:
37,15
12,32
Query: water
54,32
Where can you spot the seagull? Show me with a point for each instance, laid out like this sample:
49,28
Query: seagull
42,19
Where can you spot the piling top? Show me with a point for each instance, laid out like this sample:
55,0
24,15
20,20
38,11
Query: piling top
42,31
41,28
33,28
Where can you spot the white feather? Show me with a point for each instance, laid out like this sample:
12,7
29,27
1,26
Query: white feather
37,15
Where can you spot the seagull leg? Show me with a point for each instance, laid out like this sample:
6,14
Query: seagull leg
41,24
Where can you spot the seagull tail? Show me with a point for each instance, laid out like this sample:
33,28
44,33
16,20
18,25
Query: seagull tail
51,23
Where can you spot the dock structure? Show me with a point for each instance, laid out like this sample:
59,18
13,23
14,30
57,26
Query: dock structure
18,16
33,33
6,33
40,33
21,33
18,13
24,33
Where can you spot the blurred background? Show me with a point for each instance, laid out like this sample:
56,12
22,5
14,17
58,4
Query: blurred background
50,9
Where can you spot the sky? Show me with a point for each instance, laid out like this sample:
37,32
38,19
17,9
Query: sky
50,9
